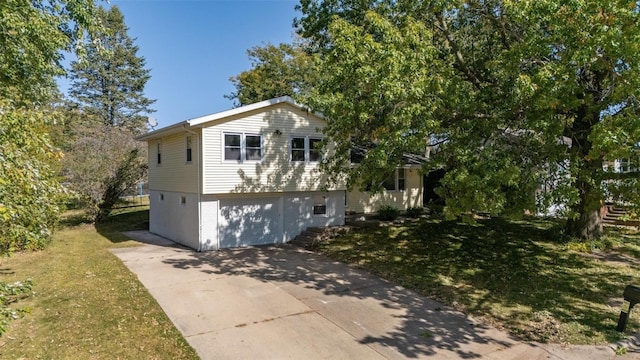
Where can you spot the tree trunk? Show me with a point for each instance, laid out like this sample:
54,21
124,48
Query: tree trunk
587,224
585,227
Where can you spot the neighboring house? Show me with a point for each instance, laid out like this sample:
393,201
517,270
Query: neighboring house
246,176
404,190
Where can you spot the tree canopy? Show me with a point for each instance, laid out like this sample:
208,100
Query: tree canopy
108,82
33,35
507,95
276,71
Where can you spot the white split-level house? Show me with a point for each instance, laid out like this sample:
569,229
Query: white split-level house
246,176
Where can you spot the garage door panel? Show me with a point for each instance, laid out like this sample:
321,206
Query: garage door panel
245,222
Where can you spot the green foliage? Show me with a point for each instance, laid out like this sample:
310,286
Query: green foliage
107,109
29,190
9,294
388,213
98,163
32,36
507,96
108,82
129,171
276,71
414,212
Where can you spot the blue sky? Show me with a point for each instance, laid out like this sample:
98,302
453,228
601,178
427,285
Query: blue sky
193,47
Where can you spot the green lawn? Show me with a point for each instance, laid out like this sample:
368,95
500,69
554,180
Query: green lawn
87,305
519,275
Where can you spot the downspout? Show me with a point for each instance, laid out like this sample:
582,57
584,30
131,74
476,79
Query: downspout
198,190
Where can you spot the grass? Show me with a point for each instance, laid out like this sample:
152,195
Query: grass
87,304
522,276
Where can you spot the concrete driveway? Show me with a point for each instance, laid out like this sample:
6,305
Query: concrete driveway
284,302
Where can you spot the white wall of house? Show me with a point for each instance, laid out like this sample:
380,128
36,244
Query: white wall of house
298,211
210,203
268,218
209,208
174,216
364,202
275,172
174,173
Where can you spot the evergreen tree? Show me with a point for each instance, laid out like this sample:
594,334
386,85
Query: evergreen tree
109,81
107,109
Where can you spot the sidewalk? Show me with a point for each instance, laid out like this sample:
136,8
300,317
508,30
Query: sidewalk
284,302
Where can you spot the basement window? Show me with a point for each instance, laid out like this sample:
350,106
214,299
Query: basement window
183,200
319,205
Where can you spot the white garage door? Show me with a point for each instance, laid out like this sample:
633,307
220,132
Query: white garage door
245,222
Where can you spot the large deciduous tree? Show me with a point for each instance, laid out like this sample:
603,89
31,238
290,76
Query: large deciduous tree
108,82
285,69
33,35
107,109
510,95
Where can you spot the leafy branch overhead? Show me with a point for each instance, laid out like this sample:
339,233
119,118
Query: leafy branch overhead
33,34
516,95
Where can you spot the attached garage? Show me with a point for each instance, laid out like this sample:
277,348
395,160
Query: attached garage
249,221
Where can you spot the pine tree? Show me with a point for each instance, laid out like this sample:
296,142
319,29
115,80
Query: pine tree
109,81
108,109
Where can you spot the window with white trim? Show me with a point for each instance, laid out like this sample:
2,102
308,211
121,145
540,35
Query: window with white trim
189,149
242,147
396,182
159,153
297,149
306,149
315,150
400,174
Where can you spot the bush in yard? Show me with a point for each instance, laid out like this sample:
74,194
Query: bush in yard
10,293
388,213
414,212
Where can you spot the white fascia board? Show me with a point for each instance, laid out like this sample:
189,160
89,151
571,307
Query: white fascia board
168,130
175,128
248,108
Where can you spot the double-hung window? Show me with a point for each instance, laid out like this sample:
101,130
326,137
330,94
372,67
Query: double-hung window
315,149
395,182
189,149
243,147
306,149
159,153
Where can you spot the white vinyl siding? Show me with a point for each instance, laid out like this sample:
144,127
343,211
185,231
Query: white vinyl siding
174,174
276,172
411,196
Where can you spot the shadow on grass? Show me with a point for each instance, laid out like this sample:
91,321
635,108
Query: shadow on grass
132,219
515,272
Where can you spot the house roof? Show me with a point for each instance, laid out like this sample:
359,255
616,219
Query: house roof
358,153
195,122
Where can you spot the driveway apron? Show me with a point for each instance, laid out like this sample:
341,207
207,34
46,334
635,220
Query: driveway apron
282,302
